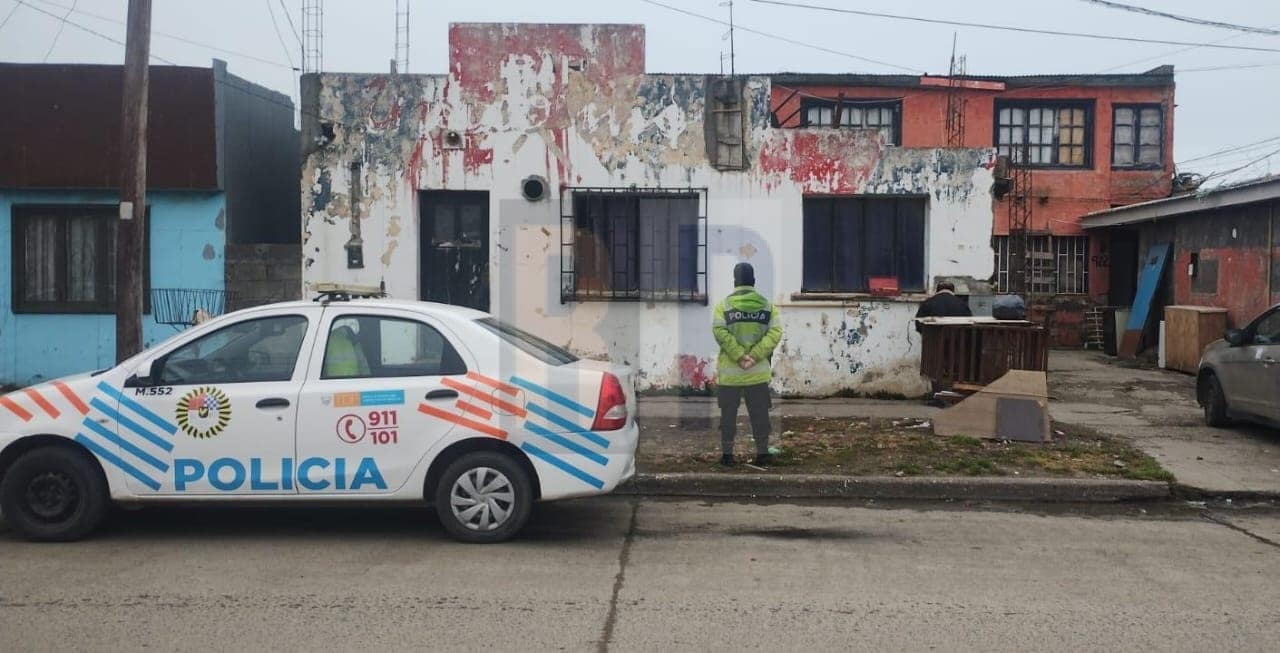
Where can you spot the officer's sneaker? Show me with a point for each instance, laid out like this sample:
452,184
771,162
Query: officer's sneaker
727,460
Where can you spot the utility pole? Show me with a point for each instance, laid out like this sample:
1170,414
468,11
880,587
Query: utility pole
732,69
131,228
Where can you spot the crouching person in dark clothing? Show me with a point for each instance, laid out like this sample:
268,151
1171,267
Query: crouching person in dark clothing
746,327
943,303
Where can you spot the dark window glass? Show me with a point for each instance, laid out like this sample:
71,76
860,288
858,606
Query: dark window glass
368,346
260,350
528,343
64,259
847,241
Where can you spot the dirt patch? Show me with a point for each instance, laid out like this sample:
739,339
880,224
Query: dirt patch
901,447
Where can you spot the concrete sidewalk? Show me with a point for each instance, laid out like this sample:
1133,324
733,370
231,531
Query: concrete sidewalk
1157,411
701,409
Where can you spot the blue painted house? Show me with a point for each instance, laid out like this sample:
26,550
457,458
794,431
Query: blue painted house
222,173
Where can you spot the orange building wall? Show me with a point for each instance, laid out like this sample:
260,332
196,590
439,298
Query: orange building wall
1064,196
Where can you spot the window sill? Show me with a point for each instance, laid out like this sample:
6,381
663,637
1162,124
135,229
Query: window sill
634,298
811,299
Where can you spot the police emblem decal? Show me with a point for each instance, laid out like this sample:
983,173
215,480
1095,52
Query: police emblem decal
204,412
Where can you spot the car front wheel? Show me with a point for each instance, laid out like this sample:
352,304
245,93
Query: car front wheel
53,494
1215,403
484,497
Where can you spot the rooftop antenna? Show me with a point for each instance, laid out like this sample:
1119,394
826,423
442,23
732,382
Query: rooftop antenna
312,36
401,62
729,36
955,99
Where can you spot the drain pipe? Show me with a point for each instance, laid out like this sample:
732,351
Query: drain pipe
355,244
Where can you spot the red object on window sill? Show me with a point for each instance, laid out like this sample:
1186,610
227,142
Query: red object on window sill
883,285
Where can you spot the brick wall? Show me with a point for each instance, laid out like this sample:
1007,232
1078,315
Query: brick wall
262,274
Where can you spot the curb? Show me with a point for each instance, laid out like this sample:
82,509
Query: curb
818,486
1193,493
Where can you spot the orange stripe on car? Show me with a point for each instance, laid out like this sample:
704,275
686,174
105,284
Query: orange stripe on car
462,421
22,413
71,397
43,403
511,408
474,409
493,383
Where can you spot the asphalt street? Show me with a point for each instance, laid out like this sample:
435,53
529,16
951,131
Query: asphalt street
633,574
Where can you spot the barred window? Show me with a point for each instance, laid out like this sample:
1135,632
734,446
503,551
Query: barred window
626,244
1056,265
1044,134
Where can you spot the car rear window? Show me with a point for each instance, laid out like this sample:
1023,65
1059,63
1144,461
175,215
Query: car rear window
528,343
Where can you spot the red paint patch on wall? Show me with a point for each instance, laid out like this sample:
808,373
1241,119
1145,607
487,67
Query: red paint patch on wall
474,157
693,371
823,161
478,51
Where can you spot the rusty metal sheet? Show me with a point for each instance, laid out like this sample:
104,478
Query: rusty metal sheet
60,127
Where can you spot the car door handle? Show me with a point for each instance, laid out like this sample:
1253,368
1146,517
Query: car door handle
273,402
442,394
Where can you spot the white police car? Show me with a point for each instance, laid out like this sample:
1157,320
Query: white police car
340,399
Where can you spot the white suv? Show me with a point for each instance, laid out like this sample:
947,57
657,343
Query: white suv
335,400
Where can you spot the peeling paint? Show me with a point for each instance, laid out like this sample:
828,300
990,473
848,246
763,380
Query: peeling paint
573,104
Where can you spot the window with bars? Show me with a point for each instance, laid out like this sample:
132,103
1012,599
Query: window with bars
849,240
881,115
1058,265
1137,136
64,259
626,244
1044,134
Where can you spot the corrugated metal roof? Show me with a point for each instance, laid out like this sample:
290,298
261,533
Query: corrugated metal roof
1246,192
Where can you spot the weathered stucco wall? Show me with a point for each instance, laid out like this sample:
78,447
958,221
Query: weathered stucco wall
571,104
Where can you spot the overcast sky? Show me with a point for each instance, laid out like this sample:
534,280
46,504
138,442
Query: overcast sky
1217,108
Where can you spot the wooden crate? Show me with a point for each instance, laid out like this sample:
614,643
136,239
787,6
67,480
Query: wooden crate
977,351
1187,331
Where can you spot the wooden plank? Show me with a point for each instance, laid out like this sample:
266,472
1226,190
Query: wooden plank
1149,282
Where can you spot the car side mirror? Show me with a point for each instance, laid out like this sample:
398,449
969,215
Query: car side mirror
145,374
1234,337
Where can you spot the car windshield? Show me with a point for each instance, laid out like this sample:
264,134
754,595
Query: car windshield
528,343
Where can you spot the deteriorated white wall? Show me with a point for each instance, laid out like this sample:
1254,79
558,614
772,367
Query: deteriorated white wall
525,109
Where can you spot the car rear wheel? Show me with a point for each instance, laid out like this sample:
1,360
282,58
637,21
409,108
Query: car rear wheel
53,494
1215,403
484,497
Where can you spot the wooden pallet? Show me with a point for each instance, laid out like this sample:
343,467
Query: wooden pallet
1094,336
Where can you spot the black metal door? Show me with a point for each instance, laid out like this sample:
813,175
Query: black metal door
455,248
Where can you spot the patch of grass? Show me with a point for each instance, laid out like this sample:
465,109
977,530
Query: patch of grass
907,447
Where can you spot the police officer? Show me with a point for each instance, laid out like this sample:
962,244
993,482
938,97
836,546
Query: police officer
746,326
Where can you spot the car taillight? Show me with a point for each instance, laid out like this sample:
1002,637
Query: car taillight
611,410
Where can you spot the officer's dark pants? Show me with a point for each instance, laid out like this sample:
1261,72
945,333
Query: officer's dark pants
758,402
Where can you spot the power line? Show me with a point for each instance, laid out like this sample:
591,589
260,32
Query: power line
279,37
1185,19
175,37
1010,28
10,14
292,28
58,34
86,29
1231,150
249,90
784,39
1246,66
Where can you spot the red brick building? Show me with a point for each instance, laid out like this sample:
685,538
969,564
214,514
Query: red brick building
1091,142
